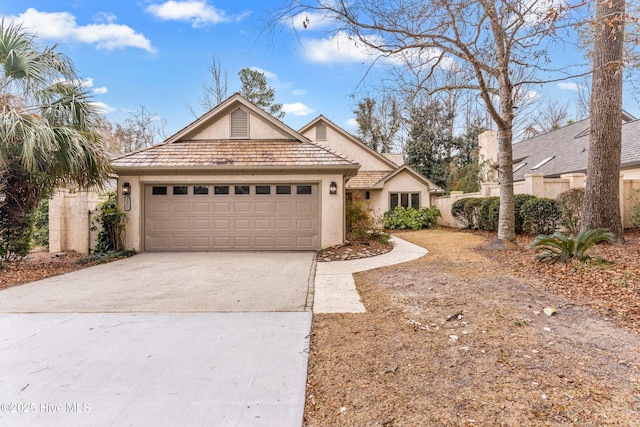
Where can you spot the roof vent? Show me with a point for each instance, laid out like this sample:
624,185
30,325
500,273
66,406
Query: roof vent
239,124
321,132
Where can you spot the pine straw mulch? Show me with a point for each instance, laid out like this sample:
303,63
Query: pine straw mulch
458,338
38,265
611,285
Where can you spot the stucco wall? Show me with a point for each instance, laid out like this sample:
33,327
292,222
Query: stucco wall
331,206
70,221
337,142
258,128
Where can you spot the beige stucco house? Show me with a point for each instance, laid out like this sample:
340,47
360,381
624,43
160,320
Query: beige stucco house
383,179
239,179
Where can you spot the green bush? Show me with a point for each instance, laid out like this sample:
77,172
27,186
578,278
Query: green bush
571,209
467,211
488,214
41,224
635,208
111,220
401,218
518,201
360,223
540,216
559,247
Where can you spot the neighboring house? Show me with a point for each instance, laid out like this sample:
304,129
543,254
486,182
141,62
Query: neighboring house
566,150
549,164
383,179
239,179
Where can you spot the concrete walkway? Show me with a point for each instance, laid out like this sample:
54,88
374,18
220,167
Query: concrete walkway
335,290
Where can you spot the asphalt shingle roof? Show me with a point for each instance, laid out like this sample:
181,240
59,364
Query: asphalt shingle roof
211,153
569,147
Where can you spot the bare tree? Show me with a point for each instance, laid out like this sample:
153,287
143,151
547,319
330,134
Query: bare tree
551,115
602,196
378,122
215,90
498,47
140,130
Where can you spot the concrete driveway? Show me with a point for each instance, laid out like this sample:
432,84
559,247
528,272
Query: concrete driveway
152,341
173,282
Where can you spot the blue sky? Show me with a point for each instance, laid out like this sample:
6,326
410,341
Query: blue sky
156,53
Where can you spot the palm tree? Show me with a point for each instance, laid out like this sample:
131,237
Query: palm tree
47,127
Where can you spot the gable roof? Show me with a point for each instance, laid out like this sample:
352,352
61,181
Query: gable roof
181,152
566,150
351,138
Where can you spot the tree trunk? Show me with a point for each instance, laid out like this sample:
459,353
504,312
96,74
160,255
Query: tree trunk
602,197
506,221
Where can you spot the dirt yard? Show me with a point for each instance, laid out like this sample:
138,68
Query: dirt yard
459,338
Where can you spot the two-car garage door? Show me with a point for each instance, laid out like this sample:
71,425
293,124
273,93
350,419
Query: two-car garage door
231,217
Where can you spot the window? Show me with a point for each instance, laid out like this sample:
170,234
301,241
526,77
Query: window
283,189
303,189
221,189
239,124
180,190
263,189
242,189
321,132
518,167
200,189
542,163
393,200
159,191
407,200
367,195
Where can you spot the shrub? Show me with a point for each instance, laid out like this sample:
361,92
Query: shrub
540,216
488,214
635,208
466,210
41,224
104,257
571,209
111,220
361,225
401,218
559,247
518,201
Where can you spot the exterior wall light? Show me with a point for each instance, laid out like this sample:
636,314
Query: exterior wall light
126,189
333,188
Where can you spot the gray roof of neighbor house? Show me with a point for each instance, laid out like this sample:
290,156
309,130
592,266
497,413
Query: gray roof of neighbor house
566,150
232,153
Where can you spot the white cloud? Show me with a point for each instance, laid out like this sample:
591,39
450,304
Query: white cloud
198,12
575,87
102,107
100,90
62,26
338,48
267,74
297,109
352,123
273,78
299,92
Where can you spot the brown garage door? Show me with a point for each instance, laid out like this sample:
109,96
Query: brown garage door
231,217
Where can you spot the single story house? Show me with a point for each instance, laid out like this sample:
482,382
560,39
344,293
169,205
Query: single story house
239,179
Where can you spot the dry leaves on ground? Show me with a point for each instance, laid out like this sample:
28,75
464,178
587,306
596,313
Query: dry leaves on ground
38,265
455,338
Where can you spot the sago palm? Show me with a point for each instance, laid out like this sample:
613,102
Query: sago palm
559,247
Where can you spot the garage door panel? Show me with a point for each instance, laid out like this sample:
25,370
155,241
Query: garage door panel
242,225
201,207
201,224
212,221
180,207
222,207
